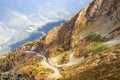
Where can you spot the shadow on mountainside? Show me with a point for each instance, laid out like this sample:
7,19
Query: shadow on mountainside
62,34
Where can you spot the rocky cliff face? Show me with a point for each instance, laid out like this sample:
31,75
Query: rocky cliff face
87,47
100,17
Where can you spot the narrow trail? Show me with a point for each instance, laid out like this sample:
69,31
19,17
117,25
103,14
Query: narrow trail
113,42
49,63
46,63
71,61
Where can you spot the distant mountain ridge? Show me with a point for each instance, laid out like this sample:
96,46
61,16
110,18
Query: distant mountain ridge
8,46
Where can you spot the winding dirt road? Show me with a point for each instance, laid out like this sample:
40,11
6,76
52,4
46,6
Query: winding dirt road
46,63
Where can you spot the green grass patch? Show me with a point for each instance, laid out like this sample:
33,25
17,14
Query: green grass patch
96,44
95,47
96,38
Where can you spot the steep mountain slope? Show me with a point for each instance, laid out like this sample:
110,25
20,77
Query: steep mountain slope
31,20
86,47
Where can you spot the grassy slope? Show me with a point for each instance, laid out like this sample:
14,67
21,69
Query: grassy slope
102,64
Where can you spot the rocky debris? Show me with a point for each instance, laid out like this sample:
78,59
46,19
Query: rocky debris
13,76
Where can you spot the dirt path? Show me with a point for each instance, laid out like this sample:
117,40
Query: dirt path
45,62
72,61
113,42
49,63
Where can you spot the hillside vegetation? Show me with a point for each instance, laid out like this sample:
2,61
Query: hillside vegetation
86,47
